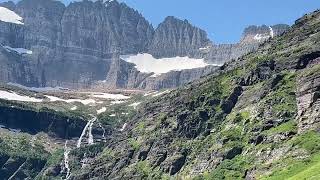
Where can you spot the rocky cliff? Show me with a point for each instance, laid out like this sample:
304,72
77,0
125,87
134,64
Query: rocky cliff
175,37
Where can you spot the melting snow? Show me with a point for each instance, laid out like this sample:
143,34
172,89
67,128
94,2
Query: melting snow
18,50
135,105
102,110
16,97
110,96
123,127
85,101
73,108
116,102
161,93
148,64
7,15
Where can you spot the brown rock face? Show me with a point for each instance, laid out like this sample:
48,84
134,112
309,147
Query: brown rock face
308,98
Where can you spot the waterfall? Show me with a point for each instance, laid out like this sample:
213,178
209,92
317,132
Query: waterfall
66,159
271,32
84,131
90,138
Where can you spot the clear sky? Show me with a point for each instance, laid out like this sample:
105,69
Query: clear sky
224,20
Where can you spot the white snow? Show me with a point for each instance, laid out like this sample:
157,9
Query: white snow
260,37
116,102
110,96
148,64
112,115
102,110
18,50
73,108
150,93
204,48
83,101
123,127
9,16
161,93
12,96
135,105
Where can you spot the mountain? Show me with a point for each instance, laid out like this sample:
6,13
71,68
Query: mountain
254,118
175,37
74,46
251,38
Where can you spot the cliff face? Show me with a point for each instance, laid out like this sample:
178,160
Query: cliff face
72,46
175,37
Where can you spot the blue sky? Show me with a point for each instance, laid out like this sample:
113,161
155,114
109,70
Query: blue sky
224,20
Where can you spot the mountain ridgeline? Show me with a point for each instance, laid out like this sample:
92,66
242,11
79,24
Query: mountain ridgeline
78,46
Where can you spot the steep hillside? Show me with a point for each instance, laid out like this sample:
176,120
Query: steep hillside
255,118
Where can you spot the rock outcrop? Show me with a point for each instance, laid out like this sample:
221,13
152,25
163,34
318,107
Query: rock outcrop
175,37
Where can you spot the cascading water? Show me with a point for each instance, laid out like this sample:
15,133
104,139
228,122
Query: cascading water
66,159
271,32
90,138
87,129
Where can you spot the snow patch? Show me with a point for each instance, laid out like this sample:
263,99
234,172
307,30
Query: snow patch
116,102
123,127
135,105
83,101
161,93
73,108
112,115
12,96
110,96
18,50
102,110
148,64
9,16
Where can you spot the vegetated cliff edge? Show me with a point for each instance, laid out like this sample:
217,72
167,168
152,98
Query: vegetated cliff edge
255,118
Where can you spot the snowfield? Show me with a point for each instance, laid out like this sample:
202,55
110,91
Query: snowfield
110,96
84,102
12,96
9,16
19,51
148,64
102,110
